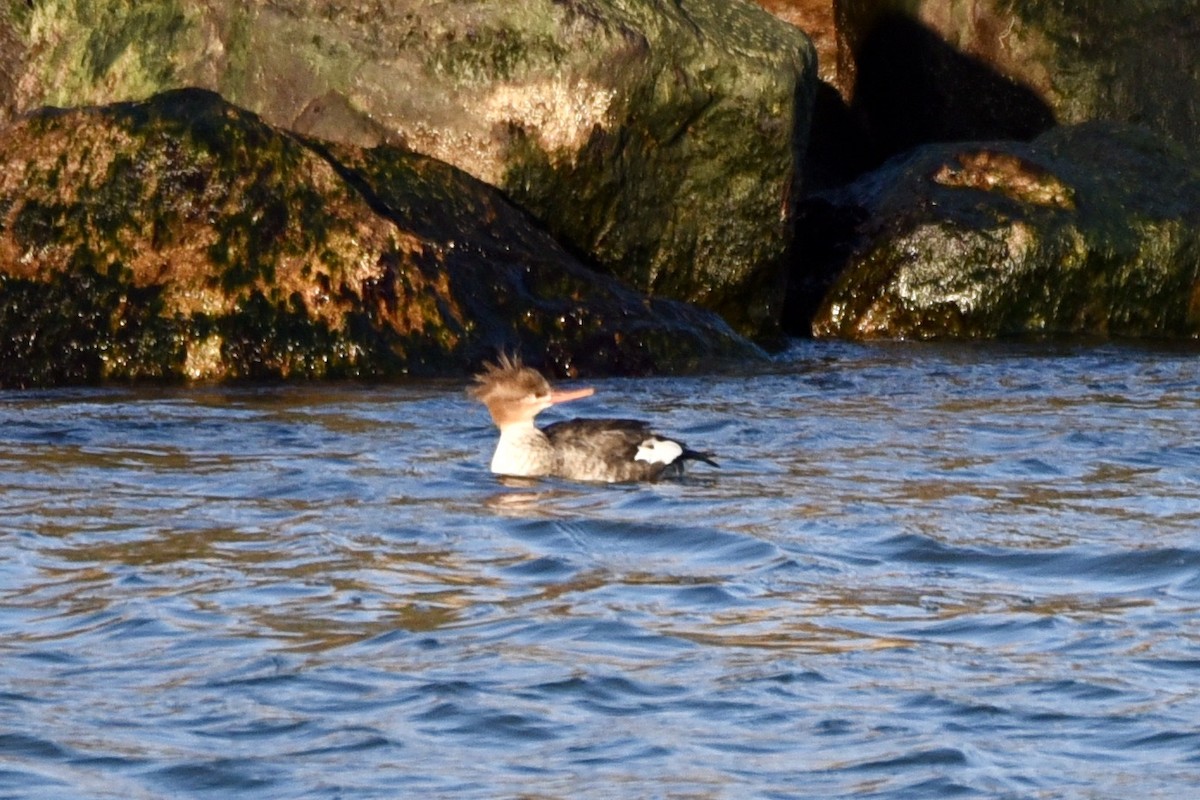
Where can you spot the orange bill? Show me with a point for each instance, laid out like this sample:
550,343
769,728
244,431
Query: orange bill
576,394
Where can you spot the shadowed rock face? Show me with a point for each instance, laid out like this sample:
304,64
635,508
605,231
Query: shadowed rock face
183,238
901,73
662,139
918,71
1092,229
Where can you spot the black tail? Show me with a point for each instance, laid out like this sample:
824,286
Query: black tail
696,455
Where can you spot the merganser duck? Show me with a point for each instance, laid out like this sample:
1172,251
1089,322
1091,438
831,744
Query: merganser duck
607,450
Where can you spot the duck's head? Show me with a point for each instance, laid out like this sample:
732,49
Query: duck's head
514,393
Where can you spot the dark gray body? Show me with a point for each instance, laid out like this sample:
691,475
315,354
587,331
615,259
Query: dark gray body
607,449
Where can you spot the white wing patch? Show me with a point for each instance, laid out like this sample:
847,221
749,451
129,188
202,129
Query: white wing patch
658,451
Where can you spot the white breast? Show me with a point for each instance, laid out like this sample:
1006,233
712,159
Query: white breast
523,451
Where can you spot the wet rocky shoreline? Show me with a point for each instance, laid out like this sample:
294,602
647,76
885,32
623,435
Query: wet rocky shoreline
290,190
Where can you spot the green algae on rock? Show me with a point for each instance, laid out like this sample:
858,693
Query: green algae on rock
183,238
1091,229
661,139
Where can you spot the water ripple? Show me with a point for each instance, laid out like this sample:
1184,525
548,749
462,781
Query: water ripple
921,571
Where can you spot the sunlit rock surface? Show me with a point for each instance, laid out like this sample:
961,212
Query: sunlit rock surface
660,138
184,238
1091,229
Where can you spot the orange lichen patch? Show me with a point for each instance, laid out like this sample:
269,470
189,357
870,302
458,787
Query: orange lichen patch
411,300
183,239
1006,174
1193,312
280,220
816,18
38,148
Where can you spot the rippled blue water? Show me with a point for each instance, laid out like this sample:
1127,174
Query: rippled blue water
921,571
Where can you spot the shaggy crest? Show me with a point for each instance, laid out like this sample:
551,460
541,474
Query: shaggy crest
508,379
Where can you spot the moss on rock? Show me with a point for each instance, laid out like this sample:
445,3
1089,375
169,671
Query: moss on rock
184,239
661,139
1091,229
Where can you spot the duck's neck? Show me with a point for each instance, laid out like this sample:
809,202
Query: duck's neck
523,451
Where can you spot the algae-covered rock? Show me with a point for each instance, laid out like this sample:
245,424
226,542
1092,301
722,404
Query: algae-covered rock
183,238
939,70
660,138
817,19
1091,229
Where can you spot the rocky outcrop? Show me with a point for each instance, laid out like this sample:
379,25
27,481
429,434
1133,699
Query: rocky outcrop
818,20
896,74
661,139
1091,229
183,238
919,71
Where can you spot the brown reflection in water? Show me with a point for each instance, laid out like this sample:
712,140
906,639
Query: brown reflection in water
800,636
529,496
159,547
307,633
367,593
310,594
810,622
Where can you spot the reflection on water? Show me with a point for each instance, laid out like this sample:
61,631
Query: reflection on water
920,571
